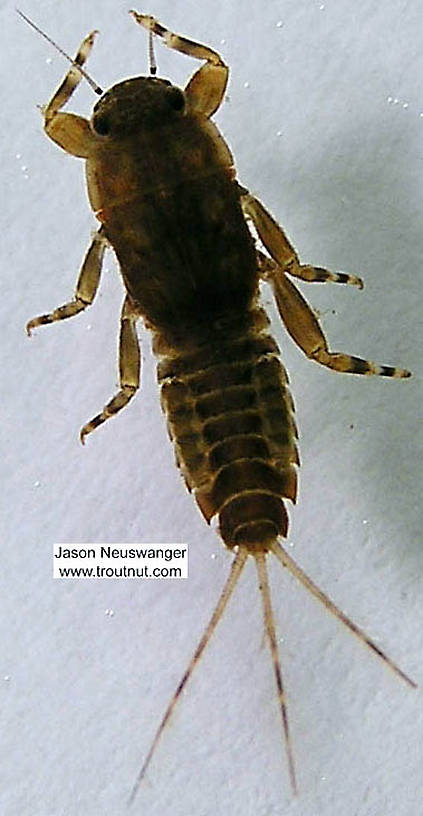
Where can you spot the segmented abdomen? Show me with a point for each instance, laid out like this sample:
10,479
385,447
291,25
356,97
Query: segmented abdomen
230,417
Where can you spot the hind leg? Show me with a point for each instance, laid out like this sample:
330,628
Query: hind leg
298,317
304,328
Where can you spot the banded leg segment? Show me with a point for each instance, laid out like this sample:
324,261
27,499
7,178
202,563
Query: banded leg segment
298,317
206,89
304,328
86,287
282,251
129,369
69,131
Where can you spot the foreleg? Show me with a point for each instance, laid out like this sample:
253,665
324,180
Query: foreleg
206,89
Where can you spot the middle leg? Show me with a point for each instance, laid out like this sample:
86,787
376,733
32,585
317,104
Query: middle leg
86,287
282,251
129,369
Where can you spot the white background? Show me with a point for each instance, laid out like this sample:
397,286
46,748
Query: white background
317,139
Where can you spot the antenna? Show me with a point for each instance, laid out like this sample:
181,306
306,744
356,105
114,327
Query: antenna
96,88
153,63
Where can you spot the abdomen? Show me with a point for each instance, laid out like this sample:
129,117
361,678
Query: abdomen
230,417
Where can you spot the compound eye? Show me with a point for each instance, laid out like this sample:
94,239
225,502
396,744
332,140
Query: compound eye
101,125
176,99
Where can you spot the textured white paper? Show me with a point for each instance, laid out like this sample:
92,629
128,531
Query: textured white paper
325,118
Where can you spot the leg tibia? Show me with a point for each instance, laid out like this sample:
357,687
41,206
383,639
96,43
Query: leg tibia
178,43
86,287
129,370
282,251
304,328
71,80
71,132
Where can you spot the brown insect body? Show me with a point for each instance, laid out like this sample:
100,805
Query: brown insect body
229,415
164,191
190,267
161,181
